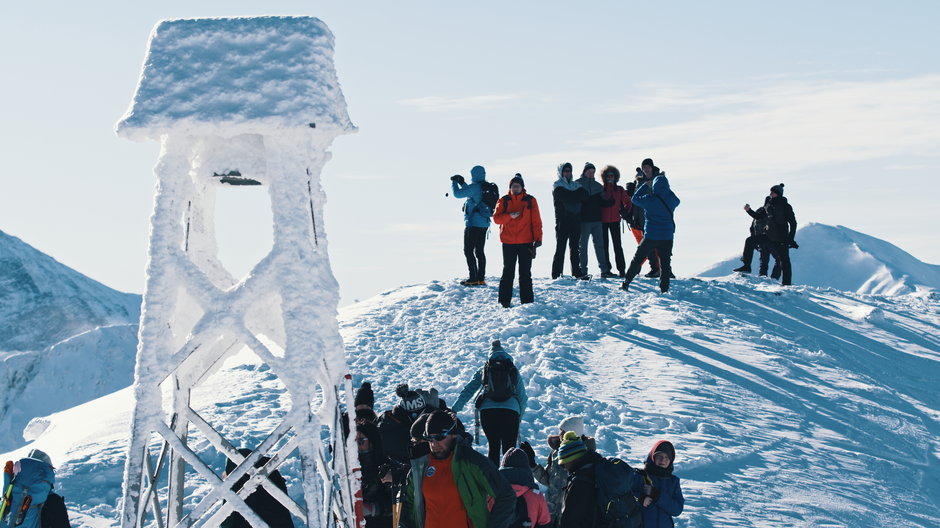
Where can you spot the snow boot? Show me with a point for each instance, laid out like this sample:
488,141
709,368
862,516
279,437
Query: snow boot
653,274
468,282
625,286
743,269
608,275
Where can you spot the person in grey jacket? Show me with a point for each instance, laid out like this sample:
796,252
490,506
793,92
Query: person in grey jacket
591,226
500,400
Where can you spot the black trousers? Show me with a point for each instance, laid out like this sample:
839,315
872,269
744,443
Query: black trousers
513,253
646,247
567,233
781,253
501,427
612,234
474,239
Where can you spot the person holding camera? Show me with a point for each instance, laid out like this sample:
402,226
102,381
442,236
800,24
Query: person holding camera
637,219
658,202
757,241
780,229
476,217
520,231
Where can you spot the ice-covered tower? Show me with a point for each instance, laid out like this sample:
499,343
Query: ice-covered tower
241,101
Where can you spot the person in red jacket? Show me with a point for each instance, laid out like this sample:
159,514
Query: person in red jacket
610,216
520,231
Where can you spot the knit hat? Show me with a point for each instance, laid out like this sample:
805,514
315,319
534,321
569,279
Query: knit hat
431,398
571,449
573,423
648,161
497,345
517,179
411,401
777,189
364,395
441,422
515,468
587,166
515,458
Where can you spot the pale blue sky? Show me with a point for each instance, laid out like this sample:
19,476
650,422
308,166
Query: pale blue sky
839,100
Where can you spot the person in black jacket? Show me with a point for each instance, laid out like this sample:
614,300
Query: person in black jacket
568,195
591,226
260,501
781,229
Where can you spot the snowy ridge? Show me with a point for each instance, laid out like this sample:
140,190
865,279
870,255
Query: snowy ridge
841,258
789,407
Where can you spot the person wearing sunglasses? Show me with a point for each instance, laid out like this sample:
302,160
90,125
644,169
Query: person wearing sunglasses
453,486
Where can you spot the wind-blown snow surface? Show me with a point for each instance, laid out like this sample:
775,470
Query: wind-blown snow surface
841,258
789,407
64,338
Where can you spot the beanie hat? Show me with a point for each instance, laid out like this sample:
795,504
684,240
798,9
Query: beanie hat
364,395
478,172
777,189
515,458
411,401
587,166
648,161
517,179
573,423
440,422
571,449
497,345
431,398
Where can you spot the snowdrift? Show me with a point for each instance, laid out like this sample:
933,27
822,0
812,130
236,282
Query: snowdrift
789,407
840,258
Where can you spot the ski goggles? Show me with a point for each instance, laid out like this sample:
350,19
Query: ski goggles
439,437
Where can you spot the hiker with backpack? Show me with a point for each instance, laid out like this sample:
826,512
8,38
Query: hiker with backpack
637,218
452,486
661,499
591,227
600,491
780,228
531,508
552,475
520,231
757,241
500,401
27,486
659,203
481,198
612,215
567,195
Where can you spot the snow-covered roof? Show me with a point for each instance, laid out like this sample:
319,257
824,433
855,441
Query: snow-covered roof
230,76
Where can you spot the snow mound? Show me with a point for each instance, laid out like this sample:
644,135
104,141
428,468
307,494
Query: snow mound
844,259
788,406
44,302
232,76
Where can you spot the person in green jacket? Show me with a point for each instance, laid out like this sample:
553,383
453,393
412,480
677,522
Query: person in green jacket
453,486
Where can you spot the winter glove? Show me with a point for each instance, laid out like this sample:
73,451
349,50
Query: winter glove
532,250
537,243
793,244
457,178
527,448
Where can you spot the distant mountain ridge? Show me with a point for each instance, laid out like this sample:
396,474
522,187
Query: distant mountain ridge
64,338
845,259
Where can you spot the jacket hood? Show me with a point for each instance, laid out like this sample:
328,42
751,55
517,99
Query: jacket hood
477,174
518,476
501,353
652,468
778,200
611,169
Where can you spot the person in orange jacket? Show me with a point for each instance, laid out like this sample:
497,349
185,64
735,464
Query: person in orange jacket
520,231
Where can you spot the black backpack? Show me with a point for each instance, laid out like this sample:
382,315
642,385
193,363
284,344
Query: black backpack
500,379
54,514
489,195
521,519
616,504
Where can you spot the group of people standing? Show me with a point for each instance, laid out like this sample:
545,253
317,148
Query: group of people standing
585,211
420,469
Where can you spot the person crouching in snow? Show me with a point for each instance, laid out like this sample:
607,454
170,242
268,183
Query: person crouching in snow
515,468
520,231
662,496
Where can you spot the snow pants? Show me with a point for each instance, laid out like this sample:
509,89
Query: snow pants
567,234
512,253
646,247
612,234
654,260
781,253
595,231
501,427
474,238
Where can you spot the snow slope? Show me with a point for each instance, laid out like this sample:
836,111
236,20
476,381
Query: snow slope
841,258
789,407
64,338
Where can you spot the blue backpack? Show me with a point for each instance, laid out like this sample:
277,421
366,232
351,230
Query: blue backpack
616,481
25,489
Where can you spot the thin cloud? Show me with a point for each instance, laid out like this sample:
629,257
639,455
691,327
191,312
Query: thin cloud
439,103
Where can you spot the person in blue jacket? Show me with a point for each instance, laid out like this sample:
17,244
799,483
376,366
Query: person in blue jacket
500,400
662,495
476,217
658,202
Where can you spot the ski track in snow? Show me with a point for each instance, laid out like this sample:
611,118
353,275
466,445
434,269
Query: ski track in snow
792,406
